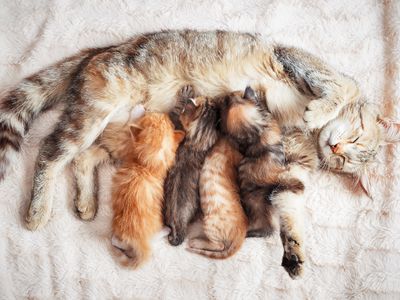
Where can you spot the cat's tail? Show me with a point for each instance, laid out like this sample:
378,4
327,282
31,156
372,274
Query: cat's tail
20,105
229,248
130,253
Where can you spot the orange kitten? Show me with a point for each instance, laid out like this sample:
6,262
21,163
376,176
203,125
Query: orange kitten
225,223
138,187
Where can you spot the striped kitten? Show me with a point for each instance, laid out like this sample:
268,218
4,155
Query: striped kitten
199,119
137,192
224,221
149,69
268,184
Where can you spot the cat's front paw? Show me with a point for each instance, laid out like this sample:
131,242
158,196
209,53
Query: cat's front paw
318,113
293,259
37,216
86,210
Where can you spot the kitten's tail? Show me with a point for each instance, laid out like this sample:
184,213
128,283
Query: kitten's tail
130,253
33,95
230,248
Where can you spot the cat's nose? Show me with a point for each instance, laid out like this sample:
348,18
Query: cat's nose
334,148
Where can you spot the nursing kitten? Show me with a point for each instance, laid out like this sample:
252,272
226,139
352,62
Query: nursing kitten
264,174
149,69
224,221
137,192
199,119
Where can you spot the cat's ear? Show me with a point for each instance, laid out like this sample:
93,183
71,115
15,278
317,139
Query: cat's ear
390,130
250,94
179,135
134,129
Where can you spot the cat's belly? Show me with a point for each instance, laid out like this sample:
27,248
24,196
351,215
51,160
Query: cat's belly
284,101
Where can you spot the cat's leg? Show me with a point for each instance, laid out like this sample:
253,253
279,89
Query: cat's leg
289,202
85,171
330,89
76,131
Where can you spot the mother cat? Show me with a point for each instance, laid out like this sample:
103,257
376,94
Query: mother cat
149,69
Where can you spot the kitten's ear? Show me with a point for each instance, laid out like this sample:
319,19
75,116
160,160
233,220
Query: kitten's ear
134,129
390,129
250,94
179,135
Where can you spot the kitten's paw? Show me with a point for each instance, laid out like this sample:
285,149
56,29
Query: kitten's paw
86,210
175,239
293,260
187,92
258,233
37,217
126,254
318,113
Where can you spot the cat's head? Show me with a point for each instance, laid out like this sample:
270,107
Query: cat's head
241,116
155,139
199,118
350,142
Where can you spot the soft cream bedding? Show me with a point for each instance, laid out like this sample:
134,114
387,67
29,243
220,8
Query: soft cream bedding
353,242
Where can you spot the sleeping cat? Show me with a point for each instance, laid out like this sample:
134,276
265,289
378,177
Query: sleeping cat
198,119
137,192
149,69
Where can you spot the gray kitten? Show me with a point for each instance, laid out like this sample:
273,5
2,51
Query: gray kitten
181,200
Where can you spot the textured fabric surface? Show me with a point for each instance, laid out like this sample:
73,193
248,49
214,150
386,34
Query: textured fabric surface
353,242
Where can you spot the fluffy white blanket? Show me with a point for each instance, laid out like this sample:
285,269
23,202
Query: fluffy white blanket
353,242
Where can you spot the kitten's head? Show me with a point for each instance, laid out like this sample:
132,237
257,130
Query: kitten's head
350,142
242,117
199,118
155,140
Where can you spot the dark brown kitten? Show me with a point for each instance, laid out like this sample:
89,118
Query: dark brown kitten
260,141
264,172
198,117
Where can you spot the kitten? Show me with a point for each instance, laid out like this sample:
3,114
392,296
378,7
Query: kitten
224,221
198,118
137,192
264,173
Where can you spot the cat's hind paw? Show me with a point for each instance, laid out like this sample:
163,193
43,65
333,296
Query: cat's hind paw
86,210
293,265
293,259
37,217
